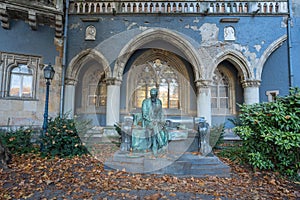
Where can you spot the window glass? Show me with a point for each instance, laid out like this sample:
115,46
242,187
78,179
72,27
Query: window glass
214,91
166,80
174,97
140,95
15,84
102,94
21,81
220,93
163,93
27,86
97,94
223,91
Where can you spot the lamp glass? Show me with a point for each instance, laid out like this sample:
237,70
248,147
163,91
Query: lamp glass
49,72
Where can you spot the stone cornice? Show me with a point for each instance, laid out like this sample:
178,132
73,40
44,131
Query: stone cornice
34,12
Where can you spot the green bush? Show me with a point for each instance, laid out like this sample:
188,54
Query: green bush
18,141
271,133
62,139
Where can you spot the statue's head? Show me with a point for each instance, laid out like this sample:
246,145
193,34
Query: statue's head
153,92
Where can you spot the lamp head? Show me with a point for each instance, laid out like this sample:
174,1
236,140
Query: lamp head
49,72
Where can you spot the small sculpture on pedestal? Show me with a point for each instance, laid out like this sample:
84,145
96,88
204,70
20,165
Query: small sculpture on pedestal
204,133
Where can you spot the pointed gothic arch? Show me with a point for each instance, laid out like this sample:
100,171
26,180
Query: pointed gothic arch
185,47
89,65
272,47
82,58
239,61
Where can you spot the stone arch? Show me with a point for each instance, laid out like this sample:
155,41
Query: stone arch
83,57
185,47
272,47
238,60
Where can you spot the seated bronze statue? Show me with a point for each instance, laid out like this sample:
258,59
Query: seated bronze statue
152,136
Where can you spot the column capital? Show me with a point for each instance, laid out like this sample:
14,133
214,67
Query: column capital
70,81
113,81
202,83
250,83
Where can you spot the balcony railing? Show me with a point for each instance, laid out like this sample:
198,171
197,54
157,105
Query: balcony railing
204,7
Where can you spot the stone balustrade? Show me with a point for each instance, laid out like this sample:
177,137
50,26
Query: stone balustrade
204,7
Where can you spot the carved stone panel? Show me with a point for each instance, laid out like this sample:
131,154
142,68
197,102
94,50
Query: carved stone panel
90,33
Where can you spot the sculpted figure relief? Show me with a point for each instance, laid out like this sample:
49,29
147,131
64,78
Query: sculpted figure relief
153,120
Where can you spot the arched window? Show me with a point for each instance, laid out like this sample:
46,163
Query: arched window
21,81
157,74
220,94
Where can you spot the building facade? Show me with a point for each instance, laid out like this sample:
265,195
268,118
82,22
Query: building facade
205,57
30,37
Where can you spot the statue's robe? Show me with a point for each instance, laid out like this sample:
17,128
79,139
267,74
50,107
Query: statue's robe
153,121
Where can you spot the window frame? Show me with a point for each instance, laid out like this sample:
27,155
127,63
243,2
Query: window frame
230,98
11,61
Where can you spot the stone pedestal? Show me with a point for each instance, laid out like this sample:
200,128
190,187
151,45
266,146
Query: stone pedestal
176,161
182,165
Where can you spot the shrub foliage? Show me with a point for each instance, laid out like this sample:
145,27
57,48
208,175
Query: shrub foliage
271,134
62,139
18,141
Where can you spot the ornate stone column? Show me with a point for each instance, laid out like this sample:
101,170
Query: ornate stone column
204,100
113,101
251,91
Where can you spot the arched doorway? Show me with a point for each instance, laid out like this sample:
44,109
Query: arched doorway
226,93
90,94
85,87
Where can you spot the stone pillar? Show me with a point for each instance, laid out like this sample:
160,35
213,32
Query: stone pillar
203,100
69,102
113,101
251,91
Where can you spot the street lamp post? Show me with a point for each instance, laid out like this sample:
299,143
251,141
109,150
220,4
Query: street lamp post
48,75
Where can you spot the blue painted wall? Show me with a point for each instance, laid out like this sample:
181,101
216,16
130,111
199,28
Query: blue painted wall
250,31
21,39
275,75
295,36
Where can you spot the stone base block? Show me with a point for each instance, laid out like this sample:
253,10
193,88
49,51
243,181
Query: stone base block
186,164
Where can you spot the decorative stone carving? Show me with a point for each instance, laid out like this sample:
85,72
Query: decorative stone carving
58,26
251,83
229,33
32,19
70,81
4,17
90,33
113,81
203,83
35,12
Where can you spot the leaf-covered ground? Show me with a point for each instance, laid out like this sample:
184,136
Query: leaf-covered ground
31,177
